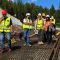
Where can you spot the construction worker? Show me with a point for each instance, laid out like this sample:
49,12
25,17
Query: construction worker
5,30
53,20
39,27
44,19
53,26
27,26
47,29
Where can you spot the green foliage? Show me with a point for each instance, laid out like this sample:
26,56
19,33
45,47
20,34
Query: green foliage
21,9
52,10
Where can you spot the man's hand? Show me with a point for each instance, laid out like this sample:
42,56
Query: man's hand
30,23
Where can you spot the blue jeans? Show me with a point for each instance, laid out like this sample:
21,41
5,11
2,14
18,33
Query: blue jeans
26,36
2,39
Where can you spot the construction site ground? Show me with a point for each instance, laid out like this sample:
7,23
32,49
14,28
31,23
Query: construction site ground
34,52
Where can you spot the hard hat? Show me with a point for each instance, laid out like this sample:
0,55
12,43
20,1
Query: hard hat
39,14
4,12
43,14
27,14
47,16
52,17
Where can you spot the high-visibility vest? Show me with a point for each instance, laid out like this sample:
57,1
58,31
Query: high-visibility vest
26,26
5,25
46,25
53,22
39,24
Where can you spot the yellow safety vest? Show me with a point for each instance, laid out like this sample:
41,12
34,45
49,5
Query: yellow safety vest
4,25
39,24
25,26
53,21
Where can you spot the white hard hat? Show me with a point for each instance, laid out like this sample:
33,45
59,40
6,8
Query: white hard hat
47,16
27,14
39,14
52,17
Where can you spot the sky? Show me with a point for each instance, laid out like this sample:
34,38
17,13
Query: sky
44,3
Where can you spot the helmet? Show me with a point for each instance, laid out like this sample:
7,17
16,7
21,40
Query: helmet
27,14
47,16
52,17
39,14
4,12
43,14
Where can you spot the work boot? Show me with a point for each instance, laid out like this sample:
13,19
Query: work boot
54,37
40,42
24,44
9,50
29,45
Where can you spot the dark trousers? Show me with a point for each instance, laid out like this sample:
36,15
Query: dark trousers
54,32
40,35
44,36
49,36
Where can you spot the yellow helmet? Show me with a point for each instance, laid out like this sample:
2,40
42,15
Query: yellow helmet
43,14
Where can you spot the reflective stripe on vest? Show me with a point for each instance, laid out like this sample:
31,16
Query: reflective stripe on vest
25,26
39,24
4,25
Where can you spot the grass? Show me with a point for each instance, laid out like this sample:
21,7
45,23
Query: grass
58,25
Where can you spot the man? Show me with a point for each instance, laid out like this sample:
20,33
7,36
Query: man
44,33
53,27
39,27
5,30
27,26
48,29
53,20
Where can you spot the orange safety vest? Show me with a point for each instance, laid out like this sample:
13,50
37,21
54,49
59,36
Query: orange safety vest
46,25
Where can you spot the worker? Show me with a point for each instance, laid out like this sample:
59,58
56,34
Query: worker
5,31
53,20
44,33
39,27
27,26
48,30
53,26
